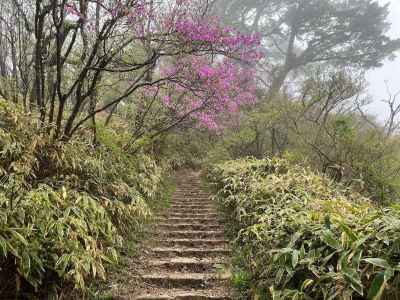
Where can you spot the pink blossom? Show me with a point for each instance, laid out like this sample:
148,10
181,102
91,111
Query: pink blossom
213,89
166,100
72,10
212,82
206,71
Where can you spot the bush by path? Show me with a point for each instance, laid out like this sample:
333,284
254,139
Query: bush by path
300,236
65,208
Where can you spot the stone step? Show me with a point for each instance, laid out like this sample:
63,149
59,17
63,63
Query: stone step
190,252
192,201
190,197
194,193
190,205
172,214
191,234
190,189
191,248
192,211
194,227
187,264
179,280
183,220
191,215
180,294
193,243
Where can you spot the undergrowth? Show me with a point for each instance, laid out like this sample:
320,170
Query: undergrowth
67,209
301,236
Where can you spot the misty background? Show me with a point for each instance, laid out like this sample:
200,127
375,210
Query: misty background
387,77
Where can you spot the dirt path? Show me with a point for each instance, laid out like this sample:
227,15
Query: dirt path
188,250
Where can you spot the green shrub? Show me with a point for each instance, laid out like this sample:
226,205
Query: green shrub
65,207
300,236
52,235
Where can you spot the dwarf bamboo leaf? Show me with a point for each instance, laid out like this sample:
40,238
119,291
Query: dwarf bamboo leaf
379,262
377,287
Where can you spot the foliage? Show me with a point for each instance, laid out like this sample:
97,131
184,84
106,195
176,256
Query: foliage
52,236
301,236
324,127
84,47
185,148
180,88
65,207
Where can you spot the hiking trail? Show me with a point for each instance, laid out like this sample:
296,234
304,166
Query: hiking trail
188,250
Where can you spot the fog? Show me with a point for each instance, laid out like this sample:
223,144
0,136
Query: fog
387,77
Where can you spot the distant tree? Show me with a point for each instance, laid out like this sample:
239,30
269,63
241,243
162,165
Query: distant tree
300,33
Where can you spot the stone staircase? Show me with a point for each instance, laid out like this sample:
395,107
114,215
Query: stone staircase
189,250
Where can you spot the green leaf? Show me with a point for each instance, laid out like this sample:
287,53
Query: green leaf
389,274
329,238
295,258
353,278
64,193
19,237
360,242
377,287
3,246
379,262
349,232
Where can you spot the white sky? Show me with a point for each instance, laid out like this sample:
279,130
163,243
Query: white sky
390,72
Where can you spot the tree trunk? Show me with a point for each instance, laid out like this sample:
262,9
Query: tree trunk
277,82
109,117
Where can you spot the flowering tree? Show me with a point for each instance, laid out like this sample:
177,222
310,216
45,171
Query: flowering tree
170,50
